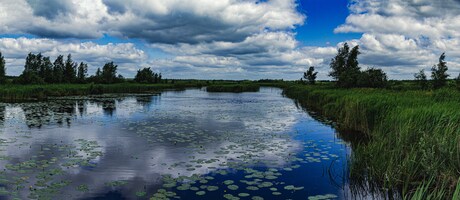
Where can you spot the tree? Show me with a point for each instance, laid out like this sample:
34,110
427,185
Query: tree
421,79
146,75
2,69
32,69
33,63
345,66
82,72
439,73
109,73
310,75
46,70
339,61
457,82
373,78
58,69
70,73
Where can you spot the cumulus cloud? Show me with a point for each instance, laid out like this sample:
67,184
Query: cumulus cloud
124,54
267,54
161,21
403,36
229,39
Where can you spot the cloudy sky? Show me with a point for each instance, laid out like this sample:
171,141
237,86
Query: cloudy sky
233,39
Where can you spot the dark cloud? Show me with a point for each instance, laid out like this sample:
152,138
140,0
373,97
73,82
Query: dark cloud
50,9
115,7
182,28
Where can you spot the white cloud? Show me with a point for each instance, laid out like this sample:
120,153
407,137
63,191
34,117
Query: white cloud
124,54
229,39
403,36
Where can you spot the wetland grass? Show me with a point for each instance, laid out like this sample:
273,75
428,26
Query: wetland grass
235,88
414,135
15,93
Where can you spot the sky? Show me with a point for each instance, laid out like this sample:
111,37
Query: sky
233,39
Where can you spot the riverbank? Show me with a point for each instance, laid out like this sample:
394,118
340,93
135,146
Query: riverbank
15,93
234,88
413,136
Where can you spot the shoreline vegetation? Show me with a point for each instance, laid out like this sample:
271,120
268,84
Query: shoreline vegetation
234,88
412,137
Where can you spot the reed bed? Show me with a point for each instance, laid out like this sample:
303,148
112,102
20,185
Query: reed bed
414,136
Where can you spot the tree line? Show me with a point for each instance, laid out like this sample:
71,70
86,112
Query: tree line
39,69
438,75
347,73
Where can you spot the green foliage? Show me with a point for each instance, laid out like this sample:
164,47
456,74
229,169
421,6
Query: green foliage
82,72
439,73
29,77
70,70
146,75
414,135
457,81
310,75
40,70
2,69
345,67
372,78
236,88
58,69
108,75
348,74
18,93
46,70
421,79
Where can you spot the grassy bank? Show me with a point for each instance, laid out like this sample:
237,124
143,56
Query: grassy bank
236,88
13,93
414,136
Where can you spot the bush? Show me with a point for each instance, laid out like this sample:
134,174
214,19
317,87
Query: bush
95,89
28,77
373,78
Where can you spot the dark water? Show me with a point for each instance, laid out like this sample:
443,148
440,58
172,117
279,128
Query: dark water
187,145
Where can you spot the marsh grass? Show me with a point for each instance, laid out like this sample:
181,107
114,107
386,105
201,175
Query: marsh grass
15,93
236,88
414,136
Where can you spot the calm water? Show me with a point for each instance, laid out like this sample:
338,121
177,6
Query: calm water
187,145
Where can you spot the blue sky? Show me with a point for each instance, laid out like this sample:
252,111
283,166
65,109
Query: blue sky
233,39
323,17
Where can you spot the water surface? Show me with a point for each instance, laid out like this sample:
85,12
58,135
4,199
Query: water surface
188,145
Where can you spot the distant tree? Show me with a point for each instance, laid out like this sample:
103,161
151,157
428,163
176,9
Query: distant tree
109,73
31,72
82,72
345,66
146,75
70,69
373,78
99,72
439,73
310,75
2,69
421,79
46,70
339,62
58,69
457,81
33,63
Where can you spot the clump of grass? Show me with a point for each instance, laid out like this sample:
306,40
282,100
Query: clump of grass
414,135
236,88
